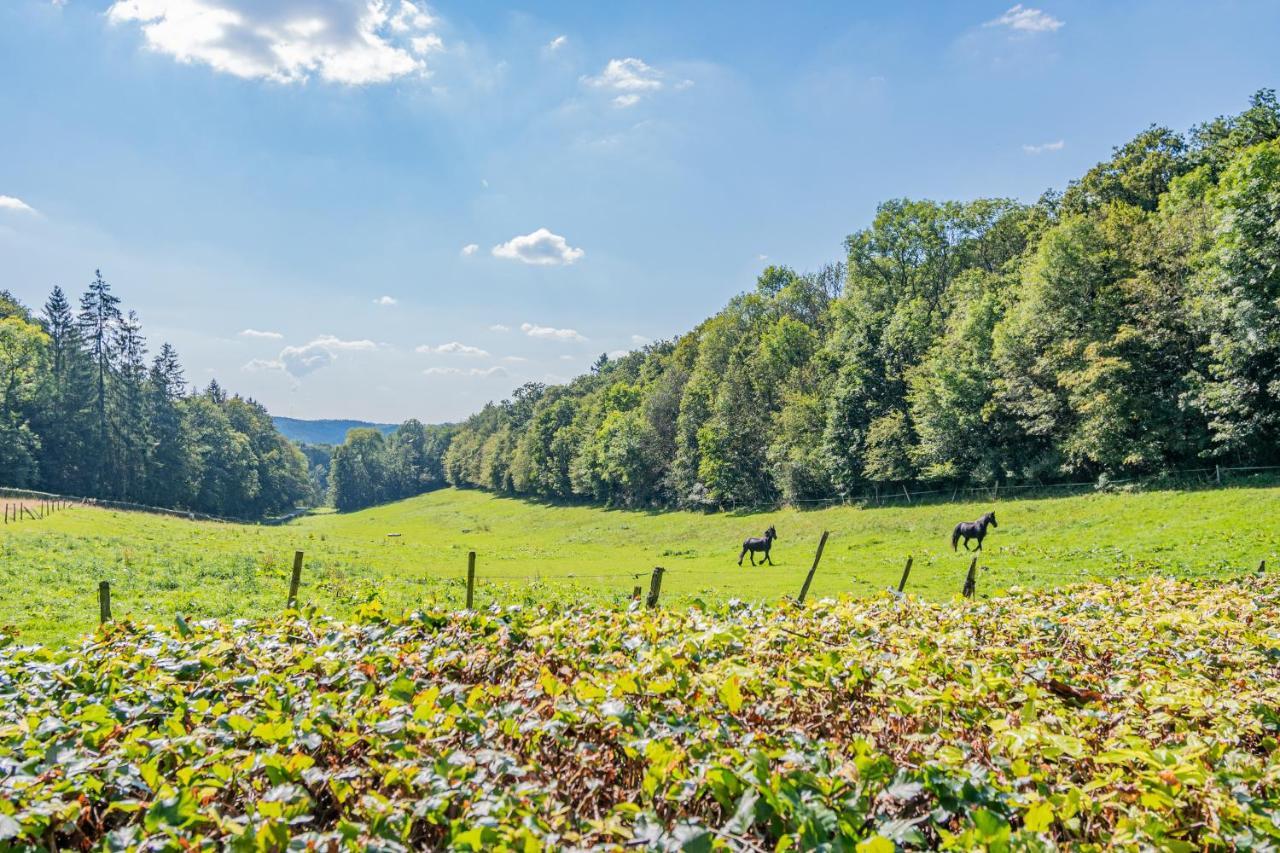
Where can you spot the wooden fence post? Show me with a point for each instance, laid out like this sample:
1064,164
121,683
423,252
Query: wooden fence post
906,571
804,590
1262,567
104,602
295,580
471,579
655,586
971,579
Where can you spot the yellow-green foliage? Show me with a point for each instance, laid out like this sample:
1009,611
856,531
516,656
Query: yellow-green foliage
533,553
1138,715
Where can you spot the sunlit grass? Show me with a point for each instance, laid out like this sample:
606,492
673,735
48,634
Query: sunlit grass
530,552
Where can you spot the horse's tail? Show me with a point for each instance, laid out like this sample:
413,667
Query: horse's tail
955,537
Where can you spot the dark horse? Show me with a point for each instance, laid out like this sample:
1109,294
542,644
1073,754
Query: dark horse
973,530
764,543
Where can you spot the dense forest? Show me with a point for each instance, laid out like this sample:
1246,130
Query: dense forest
1129,325
83,413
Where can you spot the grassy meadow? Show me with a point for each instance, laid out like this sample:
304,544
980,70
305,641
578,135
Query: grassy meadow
534,553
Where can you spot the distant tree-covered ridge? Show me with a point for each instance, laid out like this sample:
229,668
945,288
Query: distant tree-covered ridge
1127,326
82,412
323,431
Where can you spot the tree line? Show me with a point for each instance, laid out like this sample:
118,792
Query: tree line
1128,325
82,412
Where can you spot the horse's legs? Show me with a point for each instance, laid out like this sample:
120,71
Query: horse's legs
767,557
753,557
966,543
741,555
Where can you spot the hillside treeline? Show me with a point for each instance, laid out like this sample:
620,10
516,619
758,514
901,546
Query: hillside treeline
370,468
1128,325
83,412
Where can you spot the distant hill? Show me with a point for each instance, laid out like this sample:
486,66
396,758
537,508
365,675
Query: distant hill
323,431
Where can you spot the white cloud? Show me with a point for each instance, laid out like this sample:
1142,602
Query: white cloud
471,371
1048,146
549,333
453,348
762,257
8,202
629,79
299,361
254,333
1026,20
470,249
385,300
514,359
264,364
557,42
640,340
498,327
618,353
541,248
352,42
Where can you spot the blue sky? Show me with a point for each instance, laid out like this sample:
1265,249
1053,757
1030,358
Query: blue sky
413,208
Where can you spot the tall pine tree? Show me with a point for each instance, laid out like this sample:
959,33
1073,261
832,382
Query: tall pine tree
99,315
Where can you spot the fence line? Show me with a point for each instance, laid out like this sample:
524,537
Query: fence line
887,496
128,506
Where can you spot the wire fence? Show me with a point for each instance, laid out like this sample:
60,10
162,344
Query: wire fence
78,500
1217,476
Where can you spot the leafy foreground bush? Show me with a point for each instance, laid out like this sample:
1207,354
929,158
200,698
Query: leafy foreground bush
1129,715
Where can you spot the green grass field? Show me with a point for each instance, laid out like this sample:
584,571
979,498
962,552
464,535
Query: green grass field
532,553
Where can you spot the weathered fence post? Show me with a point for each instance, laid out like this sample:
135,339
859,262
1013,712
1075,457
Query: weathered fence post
971,579
804,590
1217,474
104,602
655,586
906,571
295,580
1262,566
471,578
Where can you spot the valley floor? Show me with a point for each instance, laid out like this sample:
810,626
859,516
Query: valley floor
415,551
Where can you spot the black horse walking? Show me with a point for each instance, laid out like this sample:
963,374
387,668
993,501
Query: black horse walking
754,545
973,530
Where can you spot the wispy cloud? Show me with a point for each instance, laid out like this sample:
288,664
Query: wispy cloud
351,42
470,371
8,202
453,348
629,80
557,43
541,248
1045,147
254,333
640,340
550,333
470,249
1023,19
498,327
298,361
385,300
